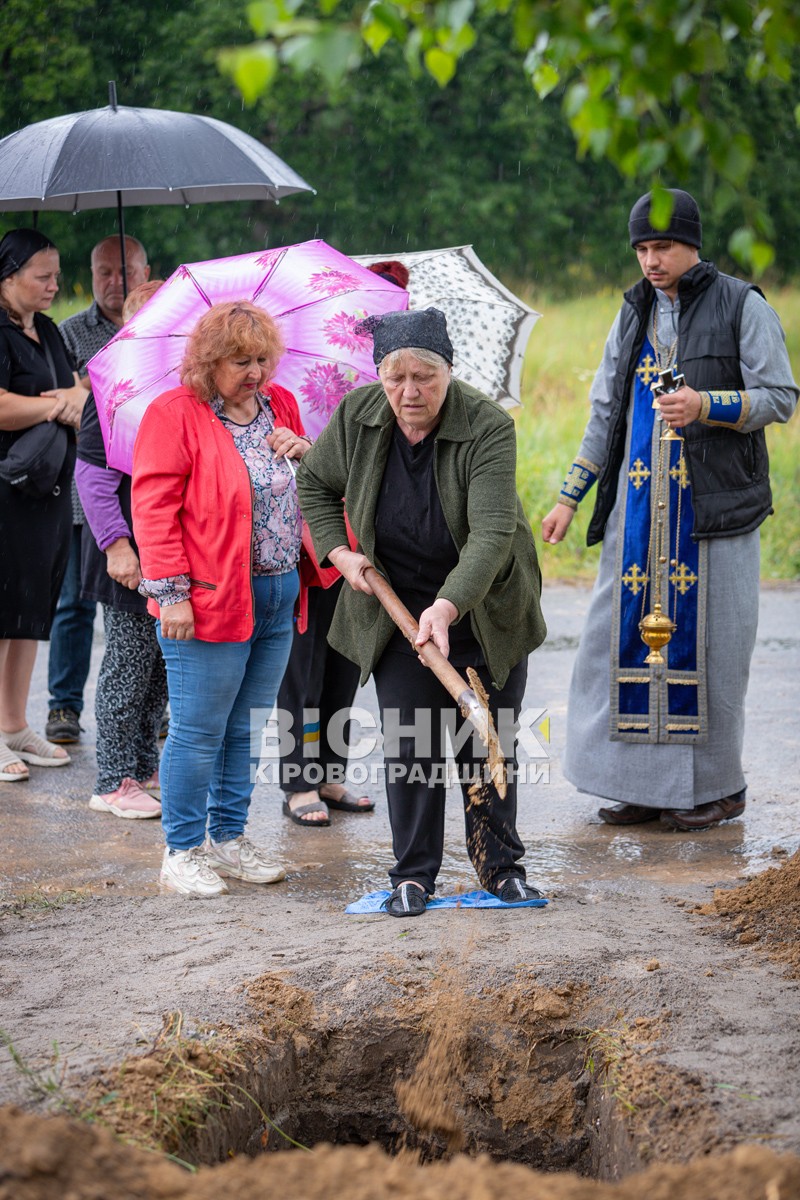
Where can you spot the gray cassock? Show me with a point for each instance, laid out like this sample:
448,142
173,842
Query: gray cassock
665,774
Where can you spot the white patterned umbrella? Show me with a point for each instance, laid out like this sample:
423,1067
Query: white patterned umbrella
488,325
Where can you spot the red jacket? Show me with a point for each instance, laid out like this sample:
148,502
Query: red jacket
313,575
193,508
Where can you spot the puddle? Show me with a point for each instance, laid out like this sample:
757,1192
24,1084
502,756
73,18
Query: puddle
55,842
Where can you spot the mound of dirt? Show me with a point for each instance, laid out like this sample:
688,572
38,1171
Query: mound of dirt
765,912
53,1158
281,1006
154,1100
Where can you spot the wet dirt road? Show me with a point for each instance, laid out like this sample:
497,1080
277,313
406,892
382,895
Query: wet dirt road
55,843
92,956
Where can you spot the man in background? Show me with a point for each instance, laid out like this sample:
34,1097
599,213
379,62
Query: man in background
73,626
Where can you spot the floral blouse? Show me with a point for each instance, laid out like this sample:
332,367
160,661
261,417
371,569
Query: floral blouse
277,524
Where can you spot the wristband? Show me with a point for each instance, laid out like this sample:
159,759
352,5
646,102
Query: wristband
730,409
580,477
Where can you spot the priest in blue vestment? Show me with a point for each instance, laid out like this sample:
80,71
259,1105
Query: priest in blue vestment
681,482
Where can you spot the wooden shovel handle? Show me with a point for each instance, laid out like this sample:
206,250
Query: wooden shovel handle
430,654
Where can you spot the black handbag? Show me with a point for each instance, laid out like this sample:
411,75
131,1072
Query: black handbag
34,462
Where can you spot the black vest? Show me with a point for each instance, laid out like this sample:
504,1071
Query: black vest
728,471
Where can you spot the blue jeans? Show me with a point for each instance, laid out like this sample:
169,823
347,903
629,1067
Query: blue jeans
71,636
206,777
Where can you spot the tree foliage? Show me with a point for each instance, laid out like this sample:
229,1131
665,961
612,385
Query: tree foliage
399,162
633,75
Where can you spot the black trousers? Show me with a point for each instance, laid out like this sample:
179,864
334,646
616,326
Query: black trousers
317,677
410,695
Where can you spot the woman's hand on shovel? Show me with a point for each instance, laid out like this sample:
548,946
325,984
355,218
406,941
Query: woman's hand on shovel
352,565
434,624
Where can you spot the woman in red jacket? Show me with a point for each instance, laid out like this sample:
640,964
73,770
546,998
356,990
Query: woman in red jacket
218,528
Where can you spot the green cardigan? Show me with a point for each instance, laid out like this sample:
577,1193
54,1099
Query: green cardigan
497,578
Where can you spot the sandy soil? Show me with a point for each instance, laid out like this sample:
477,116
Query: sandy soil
694,1049
643,1021
94,1167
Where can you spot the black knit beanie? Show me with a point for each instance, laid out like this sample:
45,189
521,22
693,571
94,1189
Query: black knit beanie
684,224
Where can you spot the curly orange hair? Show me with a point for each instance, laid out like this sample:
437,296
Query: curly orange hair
228,331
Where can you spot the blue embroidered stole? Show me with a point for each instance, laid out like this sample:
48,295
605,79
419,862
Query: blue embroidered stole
651,703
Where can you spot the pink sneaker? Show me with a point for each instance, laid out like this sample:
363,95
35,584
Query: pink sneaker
129,800
152,785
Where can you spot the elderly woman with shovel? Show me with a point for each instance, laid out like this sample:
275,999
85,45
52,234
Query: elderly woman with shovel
426,466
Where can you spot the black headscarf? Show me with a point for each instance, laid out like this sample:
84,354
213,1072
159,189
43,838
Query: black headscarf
425,329
18,246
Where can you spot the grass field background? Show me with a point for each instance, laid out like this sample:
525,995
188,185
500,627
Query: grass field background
563,353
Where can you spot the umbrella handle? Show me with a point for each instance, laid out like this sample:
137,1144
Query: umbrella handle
430,654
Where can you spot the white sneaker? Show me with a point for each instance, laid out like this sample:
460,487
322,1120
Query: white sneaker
241,859
187,872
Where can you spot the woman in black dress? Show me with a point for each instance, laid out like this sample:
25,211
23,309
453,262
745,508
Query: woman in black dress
37,383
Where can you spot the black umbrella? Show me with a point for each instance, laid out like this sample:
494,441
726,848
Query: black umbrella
135,156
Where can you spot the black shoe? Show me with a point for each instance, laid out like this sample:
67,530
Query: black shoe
705,816
407,900
514,890
62,726
628,814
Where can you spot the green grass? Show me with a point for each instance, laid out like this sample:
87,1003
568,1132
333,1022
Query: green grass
66,307
40,901
565,348
158,1101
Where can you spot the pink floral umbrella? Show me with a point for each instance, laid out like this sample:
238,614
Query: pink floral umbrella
316,295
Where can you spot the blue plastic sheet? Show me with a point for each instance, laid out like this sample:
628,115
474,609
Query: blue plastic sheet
371,903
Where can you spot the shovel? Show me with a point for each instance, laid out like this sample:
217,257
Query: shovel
473,707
